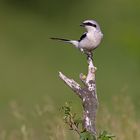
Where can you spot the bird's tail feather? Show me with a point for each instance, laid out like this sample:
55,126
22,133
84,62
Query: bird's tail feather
62,39
74,42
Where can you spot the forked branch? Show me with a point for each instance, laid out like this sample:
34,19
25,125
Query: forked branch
87,94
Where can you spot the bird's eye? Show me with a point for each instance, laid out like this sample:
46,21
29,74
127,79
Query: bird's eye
94,25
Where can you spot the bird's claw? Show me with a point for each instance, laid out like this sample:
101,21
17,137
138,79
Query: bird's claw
89,55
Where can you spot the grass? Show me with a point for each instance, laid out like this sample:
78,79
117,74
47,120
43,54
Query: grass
122,120
45,122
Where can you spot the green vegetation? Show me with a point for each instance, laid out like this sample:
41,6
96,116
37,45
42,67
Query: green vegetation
45,121
30,90
75,124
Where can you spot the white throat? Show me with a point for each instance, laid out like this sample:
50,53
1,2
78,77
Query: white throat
90,29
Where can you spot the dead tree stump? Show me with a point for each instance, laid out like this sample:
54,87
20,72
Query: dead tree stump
87,94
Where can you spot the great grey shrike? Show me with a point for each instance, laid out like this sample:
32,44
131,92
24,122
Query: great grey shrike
89,40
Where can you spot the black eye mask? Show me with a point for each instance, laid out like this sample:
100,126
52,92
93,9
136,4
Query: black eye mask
90,24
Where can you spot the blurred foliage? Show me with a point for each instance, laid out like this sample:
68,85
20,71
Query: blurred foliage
30,61
42,123
48,8
75,124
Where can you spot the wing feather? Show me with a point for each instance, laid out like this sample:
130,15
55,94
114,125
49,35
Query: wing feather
83,36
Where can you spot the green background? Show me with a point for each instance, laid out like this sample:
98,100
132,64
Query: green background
30,61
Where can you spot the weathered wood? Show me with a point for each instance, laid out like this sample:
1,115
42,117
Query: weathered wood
87,94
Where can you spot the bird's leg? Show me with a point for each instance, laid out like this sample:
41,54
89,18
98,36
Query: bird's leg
88,53
89,56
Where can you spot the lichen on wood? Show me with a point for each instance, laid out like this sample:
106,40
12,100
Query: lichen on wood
87,94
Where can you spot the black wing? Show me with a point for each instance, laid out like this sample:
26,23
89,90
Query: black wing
82,37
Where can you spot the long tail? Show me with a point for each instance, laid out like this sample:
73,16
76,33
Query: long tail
74,42
62,39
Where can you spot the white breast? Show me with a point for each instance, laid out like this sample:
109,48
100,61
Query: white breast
91,41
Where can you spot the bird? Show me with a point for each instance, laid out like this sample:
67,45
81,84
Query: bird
89,40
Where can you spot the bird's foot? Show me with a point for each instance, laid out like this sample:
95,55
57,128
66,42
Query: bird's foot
89,55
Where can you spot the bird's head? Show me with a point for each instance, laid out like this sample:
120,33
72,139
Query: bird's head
90,25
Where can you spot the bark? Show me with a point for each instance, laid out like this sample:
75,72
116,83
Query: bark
88,95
